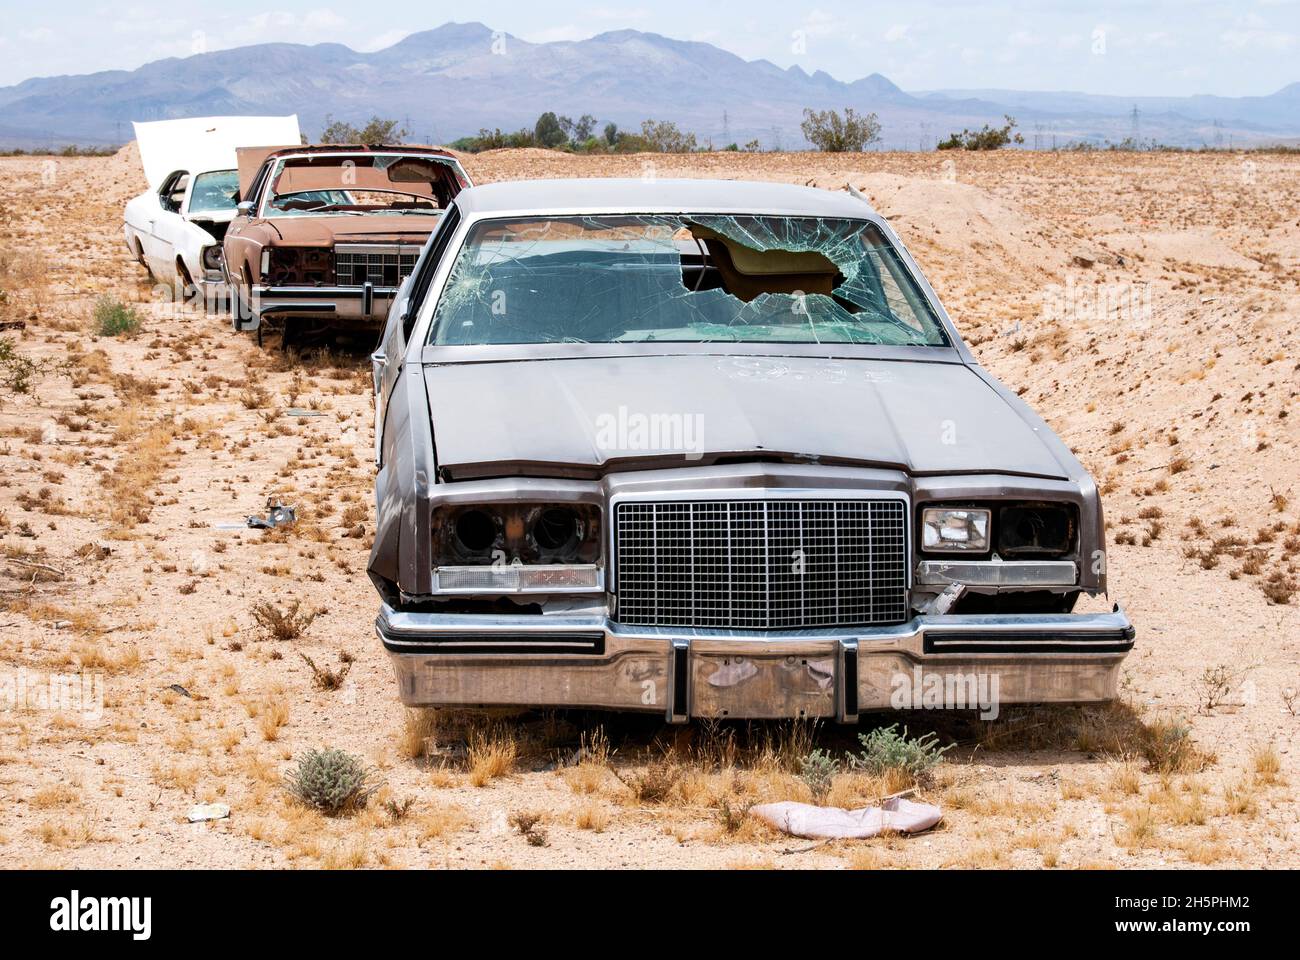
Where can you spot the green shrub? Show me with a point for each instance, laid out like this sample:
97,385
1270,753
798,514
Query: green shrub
986,138
818,770
16,370
852,133
115,319
332,781
886,749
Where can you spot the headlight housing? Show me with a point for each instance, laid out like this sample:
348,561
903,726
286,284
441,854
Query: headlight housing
212,257
1036,530
955,529
518,548
298,266
528,533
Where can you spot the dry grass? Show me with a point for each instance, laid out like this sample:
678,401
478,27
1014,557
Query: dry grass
419,731
272,715
1267,764
439,820
491,752
591,816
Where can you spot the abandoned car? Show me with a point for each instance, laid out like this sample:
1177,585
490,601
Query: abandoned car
175,228
714,449
325,234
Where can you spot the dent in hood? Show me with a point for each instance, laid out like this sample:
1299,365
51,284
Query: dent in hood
578,417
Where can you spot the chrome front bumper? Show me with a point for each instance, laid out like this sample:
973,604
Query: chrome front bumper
592,662
367,304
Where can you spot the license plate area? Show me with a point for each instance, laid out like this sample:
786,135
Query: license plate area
761,687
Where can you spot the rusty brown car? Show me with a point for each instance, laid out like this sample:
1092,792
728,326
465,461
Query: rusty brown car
323,235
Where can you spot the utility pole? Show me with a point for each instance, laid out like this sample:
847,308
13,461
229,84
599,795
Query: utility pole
1136,125
726,129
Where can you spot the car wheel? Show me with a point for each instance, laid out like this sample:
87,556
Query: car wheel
139,256
185,283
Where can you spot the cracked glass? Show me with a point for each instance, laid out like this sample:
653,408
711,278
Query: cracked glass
682,278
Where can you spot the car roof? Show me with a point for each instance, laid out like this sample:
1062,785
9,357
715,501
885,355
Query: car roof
328,148
653,195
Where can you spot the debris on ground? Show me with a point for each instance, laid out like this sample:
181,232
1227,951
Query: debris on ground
895,815
277,515
202,812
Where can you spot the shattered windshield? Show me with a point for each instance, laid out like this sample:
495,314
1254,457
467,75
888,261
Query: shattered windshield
682,278
214,192
360,184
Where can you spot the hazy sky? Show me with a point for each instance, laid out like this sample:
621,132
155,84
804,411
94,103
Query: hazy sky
1133,47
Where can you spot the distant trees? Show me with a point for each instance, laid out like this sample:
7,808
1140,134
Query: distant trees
377,130
578,131
662,136
828,131
556,132
547,132
986,138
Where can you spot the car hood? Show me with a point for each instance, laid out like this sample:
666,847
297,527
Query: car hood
582,417
200,144
324,230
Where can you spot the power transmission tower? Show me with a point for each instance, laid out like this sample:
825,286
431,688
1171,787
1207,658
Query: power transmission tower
1135,118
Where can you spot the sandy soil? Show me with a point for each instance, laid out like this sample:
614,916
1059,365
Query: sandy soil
1146,305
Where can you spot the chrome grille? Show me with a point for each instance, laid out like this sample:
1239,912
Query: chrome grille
384,265
761,564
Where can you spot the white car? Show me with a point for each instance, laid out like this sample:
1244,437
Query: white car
176,227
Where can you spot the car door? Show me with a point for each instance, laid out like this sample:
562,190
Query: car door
160,243
172,225
387,360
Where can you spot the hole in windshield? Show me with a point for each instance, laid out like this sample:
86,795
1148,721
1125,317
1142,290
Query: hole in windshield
693,278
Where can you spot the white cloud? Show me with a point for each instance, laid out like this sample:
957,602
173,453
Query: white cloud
897,32
1258,39
39,35
613,13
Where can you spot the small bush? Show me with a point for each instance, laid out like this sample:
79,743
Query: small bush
115,319
828,131
288,624
1167,748
986,138
818,770
886,749
528,825
730,818
332,782
397,810
654,784
326,678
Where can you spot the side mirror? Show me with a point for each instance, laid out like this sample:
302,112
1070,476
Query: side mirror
244,208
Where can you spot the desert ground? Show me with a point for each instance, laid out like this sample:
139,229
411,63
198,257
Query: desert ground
1145,304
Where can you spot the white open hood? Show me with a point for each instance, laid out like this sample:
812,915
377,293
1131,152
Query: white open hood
199,144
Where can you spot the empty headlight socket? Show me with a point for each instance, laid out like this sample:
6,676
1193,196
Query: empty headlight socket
1021,529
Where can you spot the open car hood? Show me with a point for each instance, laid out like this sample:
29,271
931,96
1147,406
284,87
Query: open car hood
200,144
583,417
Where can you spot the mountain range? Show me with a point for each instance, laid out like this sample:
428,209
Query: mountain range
458,78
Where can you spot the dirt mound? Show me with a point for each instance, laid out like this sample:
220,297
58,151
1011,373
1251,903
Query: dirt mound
959,216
